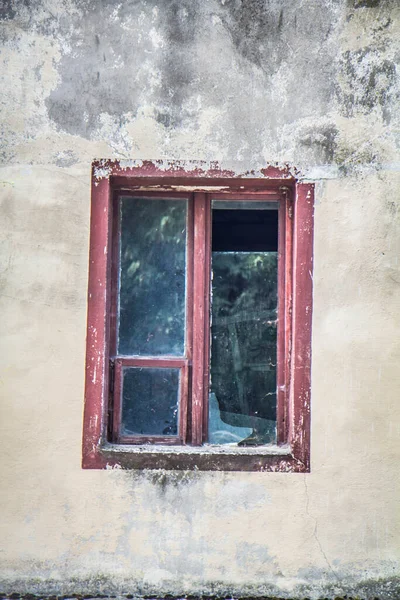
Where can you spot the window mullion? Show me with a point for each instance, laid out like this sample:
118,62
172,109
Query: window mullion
201,276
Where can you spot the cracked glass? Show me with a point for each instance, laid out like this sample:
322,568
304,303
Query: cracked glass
242,401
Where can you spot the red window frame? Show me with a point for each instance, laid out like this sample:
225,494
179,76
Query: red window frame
160,363
103,445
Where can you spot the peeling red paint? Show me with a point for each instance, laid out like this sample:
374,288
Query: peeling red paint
175,168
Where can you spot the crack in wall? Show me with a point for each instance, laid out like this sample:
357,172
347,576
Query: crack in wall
315,532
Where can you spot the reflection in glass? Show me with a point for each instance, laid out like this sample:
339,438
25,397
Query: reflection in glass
150,401
244,327
152,277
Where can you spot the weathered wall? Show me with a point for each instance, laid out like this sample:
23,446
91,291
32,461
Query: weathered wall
313,84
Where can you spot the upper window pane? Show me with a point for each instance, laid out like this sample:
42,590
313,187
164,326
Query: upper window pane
152,271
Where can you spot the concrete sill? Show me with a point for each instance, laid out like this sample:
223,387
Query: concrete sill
203,458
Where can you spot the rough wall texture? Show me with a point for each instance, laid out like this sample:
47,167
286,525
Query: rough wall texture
309,83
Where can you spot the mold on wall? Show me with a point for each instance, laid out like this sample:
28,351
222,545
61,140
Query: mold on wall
310,86
282,76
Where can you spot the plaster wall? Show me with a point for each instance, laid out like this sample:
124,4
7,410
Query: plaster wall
310,84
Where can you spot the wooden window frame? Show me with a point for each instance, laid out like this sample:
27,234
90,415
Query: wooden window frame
103,445
160,363
118,362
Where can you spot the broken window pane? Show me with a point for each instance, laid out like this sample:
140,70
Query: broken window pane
150,401
152,277
244,325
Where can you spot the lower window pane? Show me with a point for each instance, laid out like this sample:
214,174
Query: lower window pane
150,401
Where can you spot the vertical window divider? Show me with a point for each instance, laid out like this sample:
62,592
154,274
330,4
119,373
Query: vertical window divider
114,275
201,275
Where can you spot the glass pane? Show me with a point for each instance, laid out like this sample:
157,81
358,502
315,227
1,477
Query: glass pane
244,328
152,277
150,401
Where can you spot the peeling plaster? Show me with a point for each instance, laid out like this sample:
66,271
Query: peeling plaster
251,105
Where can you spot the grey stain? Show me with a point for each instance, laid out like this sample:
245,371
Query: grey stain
294,50
322,141
366,3
107,586
163,63
369,83
180,19
7,10
248,553
38,71
102,72
164,118
256,28
286,54
175,479
177,64
109,72
87,90
65,159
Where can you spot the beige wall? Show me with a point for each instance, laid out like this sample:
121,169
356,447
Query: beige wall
325,103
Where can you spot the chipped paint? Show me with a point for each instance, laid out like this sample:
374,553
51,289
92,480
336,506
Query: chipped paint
103,169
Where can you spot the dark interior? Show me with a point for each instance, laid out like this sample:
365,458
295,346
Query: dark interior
244,230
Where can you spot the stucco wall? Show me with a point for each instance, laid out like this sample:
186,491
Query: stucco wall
312,84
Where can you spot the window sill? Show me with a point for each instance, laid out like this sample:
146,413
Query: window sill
202,458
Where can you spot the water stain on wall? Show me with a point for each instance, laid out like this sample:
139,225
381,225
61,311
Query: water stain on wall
178,61
369,82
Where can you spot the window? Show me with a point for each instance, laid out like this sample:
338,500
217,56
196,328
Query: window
199,319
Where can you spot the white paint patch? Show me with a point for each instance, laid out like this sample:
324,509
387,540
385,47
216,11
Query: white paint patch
102,170
155,38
